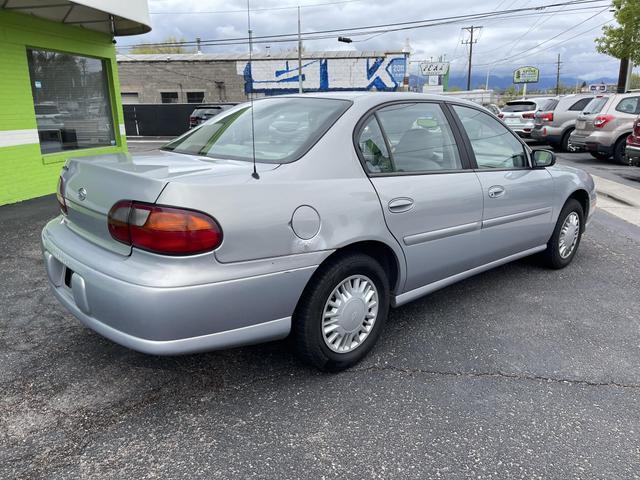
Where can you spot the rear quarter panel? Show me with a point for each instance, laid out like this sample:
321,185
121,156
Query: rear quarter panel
256,214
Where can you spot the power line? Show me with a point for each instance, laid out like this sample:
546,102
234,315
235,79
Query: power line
263,9
368,30
523,54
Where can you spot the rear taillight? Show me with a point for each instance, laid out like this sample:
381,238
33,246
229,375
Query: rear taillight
527,115
162,229
62,203
601,120
546,116
636,128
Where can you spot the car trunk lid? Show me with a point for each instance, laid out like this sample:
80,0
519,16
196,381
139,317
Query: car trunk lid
92,185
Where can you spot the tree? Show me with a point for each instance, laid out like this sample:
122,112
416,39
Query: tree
622,41
635,81
171,47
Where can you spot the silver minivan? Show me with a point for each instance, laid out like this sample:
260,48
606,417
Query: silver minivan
554,125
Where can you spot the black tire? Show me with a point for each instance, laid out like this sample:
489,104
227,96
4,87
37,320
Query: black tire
552,256
599,155
564,143
619,152
555,146
307,334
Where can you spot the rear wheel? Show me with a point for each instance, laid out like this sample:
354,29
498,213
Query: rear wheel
564,242
341,312
599,155
565,146
619,152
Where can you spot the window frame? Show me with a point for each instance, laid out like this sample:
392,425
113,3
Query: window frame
637,111
191,92
372,114
571,109
112,98
177,97
467,141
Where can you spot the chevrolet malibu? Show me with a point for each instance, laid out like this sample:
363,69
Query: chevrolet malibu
303,216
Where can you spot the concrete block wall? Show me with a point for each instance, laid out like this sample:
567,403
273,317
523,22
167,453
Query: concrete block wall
218,79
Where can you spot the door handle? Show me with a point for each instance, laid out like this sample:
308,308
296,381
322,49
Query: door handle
496,191
401,204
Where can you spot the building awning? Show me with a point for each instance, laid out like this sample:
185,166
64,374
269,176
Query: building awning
116,17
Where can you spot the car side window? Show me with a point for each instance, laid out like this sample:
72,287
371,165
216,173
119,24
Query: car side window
629,105
420,138
373,148
493,144
580,104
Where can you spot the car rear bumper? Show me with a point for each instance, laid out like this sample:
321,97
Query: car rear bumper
593,142
632,151
174,320
547,134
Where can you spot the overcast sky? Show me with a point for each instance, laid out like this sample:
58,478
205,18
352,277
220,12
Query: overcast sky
498,39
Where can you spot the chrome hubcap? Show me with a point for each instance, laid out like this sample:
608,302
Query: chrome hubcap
569,234
349,314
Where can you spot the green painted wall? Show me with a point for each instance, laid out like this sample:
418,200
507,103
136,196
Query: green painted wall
24,171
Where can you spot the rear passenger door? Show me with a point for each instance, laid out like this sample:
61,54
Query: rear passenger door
432,204
517,213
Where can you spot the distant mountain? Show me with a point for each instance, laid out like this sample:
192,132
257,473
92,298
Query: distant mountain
502,82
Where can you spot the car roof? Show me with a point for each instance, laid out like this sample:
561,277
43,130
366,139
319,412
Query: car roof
374,98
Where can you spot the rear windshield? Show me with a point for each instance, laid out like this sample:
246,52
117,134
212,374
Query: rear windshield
284,128
519,107
202,112
595,105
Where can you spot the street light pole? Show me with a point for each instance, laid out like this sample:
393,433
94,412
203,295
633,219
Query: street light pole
299,53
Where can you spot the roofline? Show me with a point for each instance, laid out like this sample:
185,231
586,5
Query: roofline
212,57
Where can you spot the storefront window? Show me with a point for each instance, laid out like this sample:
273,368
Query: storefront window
71,98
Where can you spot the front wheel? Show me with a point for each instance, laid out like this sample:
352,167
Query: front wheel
341,312
566,236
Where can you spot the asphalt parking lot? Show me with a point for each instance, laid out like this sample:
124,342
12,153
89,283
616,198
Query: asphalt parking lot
520,372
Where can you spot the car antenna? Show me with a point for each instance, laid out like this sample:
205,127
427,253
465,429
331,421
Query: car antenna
253,130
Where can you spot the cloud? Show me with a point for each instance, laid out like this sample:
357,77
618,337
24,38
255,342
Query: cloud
499,38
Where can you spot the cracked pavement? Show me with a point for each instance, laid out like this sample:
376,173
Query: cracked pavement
520,372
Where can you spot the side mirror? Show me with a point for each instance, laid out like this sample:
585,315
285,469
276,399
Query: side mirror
543,158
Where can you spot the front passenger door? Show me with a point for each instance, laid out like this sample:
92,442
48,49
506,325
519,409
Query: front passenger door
517,213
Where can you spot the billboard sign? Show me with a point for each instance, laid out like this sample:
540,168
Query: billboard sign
434,68
526,75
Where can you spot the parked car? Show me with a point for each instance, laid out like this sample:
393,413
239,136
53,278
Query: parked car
604,125
519,114
633,145
310,228
205,111
555,124
493,108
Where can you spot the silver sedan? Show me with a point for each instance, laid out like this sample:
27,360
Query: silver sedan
306,216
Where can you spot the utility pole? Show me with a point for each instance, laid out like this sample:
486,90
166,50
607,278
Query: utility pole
299,53
470,42
558,76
